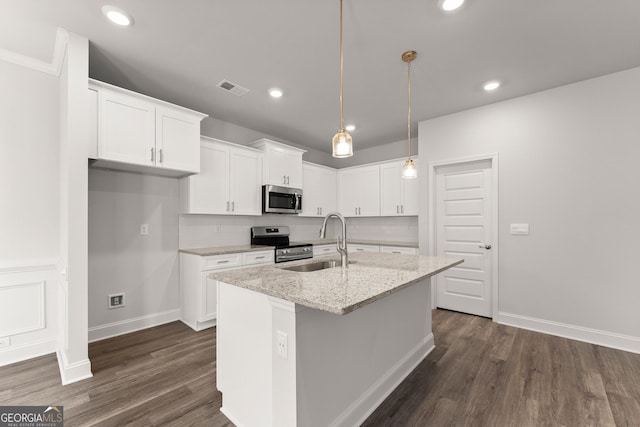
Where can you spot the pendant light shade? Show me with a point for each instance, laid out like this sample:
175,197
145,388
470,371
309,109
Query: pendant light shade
409,169
342,142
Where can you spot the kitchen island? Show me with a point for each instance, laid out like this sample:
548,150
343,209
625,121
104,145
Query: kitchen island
325,347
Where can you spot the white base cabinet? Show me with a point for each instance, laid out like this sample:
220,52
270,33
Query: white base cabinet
228,183
198,293
398,250
356,247
142,134
325,250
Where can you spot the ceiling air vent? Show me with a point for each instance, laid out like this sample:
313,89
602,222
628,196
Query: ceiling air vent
232,87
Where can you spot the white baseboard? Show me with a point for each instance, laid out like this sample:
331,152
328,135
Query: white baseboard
26,351
364,406
73,372
579,333
114,329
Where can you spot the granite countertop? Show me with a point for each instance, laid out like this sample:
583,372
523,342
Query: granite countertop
224,250
370,277
366,242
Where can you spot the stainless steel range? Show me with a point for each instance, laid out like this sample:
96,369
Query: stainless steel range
278,236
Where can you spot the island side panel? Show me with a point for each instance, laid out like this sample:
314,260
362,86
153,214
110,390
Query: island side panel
244,348
347,365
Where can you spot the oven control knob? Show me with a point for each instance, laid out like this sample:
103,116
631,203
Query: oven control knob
307,249
285,251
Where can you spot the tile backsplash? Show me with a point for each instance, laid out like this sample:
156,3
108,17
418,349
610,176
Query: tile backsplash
200,231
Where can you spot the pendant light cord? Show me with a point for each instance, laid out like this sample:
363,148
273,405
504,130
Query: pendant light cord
341,74
409,109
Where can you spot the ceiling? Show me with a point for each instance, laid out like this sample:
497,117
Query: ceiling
178,51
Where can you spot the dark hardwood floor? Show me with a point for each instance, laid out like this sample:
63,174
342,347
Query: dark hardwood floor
480,374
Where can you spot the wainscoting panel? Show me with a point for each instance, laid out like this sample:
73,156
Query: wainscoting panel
22,308
28,310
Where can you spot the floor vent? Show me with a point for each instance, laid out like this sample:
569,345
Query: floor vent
232,87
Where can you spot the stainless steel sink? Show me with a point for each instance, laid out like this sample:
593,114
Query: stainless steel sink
322,265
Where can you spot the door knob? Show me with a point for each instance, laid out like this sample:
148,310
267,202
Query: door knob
485,246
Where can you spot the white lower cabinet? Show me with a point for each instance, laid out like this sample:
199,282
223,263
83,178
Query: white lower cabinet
198,293
356,247
398,250
324,250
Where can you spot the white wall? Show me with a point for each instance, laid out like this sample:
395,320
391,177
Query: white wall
226,131
568,166
123,260
29,231
28,163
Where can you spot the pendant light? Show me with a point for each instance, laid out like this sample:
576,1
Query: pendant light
342,143
409,169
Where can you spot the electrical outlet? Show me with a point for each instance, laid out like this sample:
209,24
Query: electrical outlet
116,300
144,229
283,345
5,342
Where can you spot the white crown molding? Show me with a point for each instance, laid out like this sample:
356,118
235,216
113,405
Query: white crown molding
54,68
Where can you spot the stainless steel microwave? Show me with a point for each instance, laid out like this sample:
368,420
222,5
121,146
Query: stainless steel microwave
281,199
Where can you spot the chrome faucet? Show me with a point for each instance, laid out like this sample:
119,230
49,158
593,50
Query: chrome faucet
341,245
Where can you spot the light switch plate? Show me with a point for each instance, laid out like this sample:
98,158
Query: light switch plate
520,229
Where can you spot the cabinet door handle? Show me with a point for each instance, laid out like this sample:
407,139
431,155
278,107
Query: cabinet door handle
233,206
396,252
160,156
397,208
152,156
320,211
227,206
359,211
356,211
288,179
401,208
284,179
223,261
260,257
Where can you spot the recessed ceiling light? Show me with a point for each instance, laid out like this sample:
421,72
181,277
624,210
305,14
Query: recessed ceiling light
449,5
117,16
275,93
492,85
350,128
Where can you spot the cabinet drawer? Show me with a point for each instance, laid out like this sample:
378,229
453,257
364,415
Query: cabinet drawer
216,262
324,250
262,257
398,250
363,248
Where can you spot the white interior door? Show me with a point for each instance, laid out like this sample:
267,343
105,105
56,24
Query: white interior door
463,229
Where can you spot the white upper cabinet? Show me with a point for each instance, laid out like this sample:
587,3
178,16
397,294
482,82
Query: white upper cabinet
282,163
143,134
398,196
228,182
319,185
359,191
